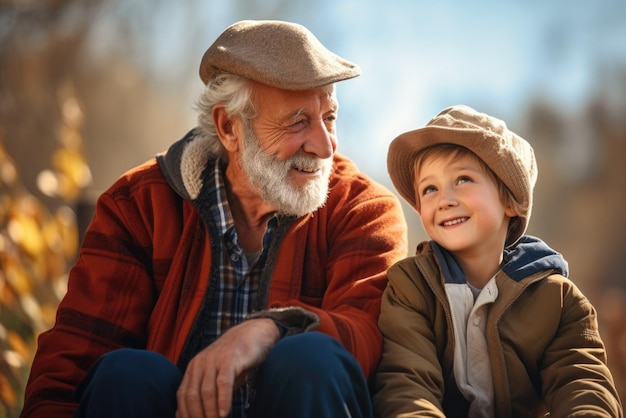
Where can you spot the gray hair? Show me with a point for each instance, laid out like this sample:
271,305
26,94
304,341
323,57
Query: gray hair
235,93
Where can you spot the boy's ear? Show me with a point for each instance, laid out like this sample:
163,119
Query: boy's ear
224,128
510,212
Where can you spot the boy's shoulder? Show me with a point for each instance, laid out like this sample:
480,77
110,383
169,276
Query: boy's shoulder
418,267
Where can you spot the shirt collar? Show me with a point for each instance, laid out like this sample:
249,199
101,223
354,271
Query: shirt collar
221,211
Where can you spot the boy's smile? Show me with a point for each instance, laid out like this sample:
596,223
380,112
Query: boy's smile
455,221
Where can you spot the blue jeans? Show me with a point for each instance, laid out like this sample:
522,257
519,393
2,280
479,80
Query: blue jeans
304,375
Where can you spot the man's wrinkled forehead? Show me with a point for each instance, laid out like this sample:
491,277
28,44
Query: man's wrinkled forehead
322,99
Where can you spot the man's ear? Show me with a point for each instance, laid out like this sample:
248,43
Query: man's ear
224,128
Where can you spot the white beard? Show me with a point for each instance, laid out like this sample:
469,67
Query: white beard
271,177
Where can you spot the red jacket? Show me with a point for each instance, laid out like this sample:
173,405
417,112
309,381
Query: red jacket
144,269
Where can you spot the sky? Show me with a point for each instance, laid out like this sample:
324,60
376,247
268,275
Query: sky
494,56
417,57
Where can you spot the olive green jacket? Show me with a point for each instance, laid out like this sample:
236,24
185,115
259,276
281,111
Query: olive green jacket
542,336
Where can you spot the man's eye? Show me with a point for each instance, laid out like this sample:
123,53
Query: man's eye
298,123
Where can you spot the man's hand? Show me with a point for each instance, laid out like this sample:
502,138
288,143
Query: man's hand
207,386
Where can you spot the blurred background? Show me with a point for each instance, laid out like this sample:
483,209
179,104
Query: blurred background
90,88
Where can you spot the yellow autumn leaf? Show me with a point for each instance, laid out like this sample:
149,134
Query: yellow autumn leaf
18,345
7,394
72,112
68,189
8,172
17,277
71,163
48,183
25,232
30,305
67,225
7,296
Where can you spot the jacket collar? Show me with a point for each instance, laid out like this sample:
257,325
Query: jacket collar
184,163
529,256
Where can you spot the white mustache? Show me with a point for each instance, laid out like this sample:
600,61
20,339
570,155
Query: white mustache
308,164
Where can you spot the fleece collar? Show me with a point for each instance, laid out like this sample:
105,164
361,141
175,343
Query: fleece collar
184,162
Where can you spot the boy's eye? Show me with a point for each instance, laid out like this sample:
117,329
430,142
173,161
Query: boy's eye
428,189
463,179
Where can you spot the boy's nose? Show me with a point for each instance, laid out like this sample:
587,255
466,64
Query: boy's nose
448,199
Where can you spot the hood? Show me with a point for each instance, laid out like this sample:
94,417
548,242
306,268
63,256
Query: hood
531,255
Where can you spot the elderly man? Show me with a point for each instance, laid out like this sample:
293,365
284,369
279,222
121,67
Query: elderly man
239,273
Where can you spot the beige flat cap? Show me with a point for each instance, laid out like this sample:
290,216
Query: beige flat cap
510,156
281,54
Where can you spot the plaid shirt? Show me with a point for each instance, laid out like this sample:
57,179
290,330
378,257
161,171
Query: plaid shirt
238,281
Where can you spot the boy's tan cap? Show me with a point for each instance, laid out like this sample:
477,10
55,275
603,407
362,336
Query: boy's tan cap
508,155
280,54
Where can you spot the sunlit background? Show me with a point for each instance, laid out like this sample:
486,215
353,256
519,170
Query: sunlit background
90,88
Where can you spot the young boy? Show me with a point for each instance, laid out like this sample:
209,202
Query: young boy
482,321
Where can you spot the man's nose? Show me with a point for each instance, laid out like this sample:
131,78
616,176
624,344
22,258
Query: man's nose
320,141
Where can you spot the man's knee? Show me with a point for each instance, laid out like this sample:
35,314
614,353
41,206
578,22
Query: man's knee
132,367
129,383
310,375
314,355
129,373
